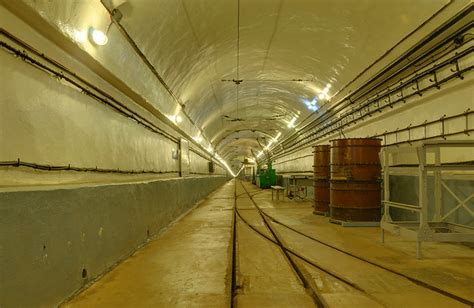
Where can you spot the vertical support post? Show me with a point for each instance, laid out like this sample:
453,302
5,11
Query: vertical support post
437,185
418,249
386,190
386,183
422,190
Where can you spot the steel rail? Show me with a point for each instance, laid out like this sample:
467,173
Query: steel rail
319,302
296,254
305,259
411,279
234,286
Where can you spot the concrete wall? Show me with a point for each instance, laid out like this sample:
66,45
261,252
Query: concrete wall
67,23
48,121
452,99
48,237
404,188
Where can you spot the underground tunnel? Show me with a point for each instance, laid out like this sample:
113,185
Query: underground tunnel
236,153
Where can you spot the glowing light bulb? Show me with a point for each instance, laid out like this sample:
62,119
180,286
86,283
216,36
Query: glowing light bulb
99,37
311,105
175,118
291,124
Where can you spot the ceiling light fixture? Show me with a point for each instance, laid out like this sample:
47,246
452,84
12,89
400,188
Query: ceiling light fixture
291,124
324,93
312,105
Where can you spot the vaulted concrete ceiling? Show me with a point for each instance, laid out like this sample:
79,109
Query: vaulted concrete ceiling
285,52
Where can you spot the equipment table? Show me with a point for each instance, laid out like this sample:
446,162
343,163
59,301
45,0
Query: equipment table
277,189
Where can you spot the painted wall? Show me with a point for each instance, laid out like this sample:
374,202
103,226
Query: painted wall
452,99
47,121
49,237
61,229
67,25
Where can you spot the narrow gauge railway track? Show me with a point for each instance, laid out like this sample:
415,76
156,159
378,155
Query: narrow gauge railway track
306,284
233,273
301,257
288,252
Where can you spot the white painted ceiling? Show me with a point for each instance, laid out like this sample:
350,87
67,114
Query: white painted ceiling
196,44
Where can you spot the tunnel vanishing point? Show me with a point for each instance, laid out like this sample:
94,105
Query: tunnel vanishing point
236,153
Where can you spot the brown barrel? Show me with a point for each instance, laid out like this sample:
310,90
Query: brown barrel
321,178
321,161
355,179
321,197
356,158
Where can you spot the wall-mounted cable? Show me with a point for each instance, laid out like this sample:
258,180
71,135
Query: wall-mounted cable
19,163
394,70
20,49
385,136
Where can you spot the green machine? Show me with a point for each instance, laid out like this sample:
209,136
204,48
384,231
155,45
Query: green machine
266,177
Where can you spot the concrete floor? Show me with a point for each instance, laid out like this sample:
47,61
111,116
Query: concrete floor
186,266
190,263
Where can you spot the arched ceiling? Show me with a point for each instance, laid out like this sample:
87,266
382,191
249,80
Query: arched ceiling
284,51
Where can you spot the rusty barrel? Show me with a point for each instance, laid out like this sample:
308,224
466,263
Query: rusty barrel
355,179
321,178
321,161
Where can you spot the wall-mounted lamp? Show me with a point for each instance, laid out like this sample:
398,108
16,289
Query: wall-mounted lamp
100,38
175,118
97,37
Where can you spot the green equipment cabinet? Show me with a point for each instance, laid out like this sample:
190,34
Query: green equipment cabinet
267,177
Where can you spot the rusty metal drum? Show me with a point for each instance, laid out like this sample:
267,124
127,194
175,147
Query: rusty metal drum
321,197
321,179
321,162
356,159
355,201
355,192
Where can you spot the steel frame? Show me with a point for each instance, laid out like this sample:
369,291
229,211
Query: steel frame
423,230
294,181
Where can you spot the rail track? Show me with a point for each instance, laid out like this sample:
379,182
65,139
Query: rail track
291,254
